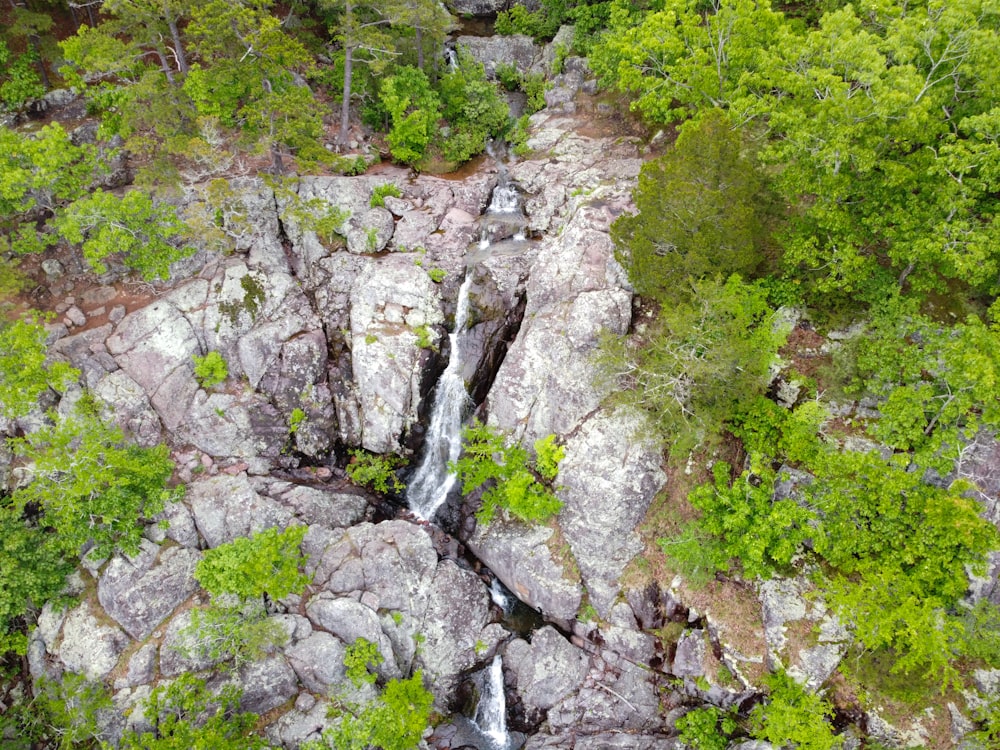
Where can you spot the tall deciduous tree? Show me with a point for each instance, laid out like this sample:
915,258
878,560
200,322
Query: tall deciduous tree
251,75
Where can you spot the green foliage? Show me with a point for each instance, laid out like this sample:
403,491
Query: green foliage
19,82
437,274
541,24
395,720
794,716
185,714
519,136
143,233
211,369
232,631
705,729
91,484
359,658
425,337
746,524
380,192
414,109
42,170
699,362
700,213
25,373
515,485
63,715
534,85
987,713
508,75
684,56
296,420
269,563
900,549
938,384
35,564
473,107
375,471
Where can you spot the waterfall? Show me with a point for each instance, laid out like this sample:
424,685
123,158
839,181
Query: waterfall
491,713
506,199
500,595
431,482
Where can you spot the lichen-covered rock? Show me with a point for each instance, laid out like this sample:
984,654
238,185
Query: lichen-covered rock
520,557
227,507
90,646
390,303
140,592
514,49
265,684
607,457
318,660
545,671
350,620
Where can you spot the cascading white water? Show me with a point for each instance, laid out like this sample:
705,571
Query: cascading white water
506,199
500,596
431,482
491,713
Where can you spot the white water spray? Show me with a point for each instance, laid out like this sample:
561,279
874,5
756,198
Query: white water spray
491,713
431,482
500,596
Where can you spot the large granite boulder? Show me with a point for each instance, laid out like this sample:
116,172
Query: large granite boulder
140,592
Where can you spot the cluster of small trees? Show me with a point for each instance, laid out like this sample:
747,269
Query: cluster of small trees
840,158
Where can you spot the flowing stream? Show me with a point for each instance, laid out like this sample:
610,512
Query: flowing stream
431,482
491,713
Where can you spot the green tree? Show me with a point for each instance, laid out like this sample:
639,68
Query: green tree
513,483
185,714
63,714
144,233
414,109
41,171
269,562
473,107
700,213
19,83
699,362
91,484
25,371
251,74
684,56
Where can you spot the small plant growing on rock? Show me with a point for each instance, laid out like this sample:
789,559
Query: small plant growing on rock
210,370
296,420
375,471
516,485
381,192
361,655
437,274
425,339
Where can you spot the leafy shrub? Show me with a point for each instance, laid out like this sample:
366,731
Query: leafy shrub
414,109
509,76
61,714
794,716
269,562
24,372
473,107
230,630
437,274
705,729
186,714
359,656
210,370
375,471
515,485
395,720
296,420
380,192
699,363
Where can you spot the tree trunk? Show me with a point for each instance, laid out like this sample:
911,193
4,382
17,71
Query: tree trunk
165,65
420,47
36,43
182,63
277,163
345,107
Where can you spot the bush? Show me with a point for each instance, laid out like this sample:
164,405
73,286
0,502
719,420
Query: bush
380,192
515,485
210,370
375,471
269,562
474,108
